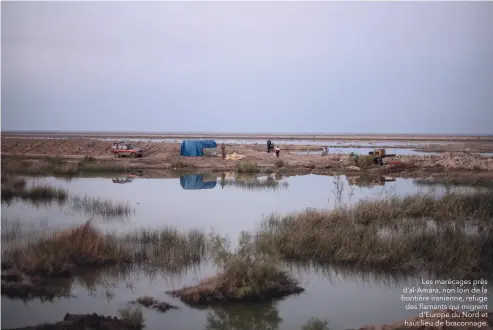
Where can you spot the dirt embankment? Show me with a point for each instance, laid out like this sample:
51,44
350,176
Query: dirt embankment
166,156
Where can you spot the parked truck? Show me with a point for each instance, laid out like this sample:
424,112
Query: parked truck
125,149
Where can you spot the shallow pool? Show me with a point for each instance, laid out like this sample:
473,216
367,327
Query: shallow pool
347,298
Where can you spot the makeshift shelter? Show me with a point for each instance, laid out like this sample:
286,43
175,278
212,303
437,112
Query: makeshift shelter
195,148
195,182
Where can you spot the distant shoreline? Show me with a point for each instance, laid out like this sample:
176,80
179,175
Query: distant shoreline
255,136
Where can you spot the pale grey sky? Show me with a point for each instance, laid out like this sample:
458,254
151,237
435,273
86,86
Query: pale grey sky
324,67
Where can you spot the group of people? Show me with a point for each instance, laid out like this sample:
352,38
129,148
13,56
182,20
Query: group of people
270,147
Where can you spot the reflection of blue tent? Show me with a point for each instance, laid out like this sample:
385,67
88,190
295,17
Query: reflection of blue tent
193,182
194,148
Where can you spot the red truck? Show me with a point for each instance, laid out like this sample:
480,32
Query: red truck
125,149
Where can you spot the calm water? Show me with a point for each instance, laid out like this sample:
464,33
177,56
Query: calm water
365,151
346,298
409,144
228,209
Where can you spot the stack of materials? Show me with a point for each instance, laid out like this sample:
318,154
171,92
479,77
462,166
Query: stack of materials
234,156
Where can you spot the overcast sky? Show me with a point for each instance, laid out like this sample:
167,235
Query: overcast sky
322,67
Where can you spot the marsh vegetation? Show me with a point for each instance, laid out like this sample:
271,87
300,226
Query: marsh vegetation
244,274
65,253
415,232
381,238
56,165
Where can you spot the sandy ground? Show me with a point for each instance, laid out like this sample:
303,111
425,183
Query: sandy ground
165,155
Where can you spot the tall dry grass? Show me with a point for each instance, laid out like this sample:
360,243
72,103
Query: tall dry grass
71,251
453,232
166,246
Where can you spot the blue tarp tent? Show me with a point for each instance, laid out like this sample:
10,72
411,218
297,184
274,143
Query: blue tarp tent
194,148
194,182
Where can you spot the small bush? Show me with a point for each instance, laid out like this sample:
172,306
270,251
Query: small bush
179,164
247,168
279,163
243,275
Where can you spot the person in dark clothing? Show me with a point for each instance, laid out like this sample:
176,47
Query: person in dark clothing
269,146
223,150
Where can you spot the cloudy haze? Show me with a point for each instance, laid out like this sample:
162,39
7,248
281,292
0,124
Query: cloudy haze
326,67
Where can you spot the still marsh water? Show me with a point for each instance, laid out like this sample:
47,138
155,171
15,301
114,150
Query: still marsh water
228,208
347,298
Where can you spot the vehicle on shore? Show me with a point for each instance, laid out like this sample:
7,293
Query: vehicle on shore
125,149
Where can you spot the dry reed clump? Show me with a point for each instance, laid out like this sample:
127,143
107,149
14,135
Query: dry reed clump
248,168
61,254
65,253
244,275
279,163
166,246
406,233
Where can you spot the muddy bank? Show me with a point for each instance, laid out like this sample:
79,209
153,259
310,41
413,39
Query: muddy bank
218,289
152,303
86,321
439,319
74,156
17,285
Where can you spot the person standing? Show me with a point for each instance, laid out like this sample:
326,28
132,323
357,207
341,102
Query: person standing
269,146
278,151
223,150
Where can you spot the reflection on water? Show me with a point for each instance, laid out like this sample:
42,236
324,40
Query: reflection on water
196,182
341,143
122,180
237,317
155,202
344,295
368,181
365,151
272,182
